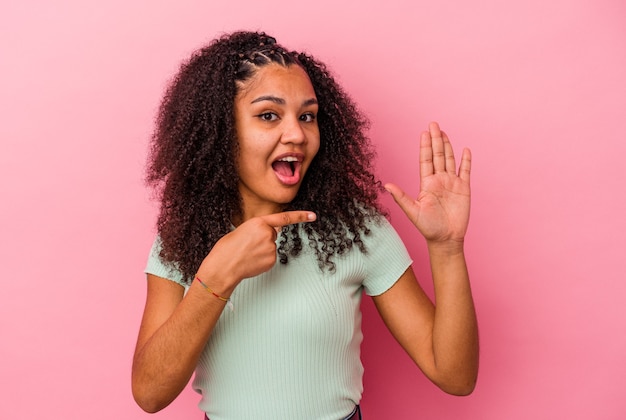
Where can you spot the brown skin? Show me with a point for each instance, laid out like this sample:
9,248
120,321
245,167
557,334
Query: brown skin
441,339
174,330
171,337
276,115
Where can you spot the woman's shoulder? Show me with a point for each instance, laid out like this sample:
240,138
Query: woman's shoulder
158,267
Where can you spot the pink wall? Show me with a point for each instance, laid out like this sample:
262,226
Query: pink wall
537,89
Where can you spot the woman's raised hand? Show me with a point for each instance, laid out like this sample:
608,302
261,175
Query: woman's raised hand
441,210
250,249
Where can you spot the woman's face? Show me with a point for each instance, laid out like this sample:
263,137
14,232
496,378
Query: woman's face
276,123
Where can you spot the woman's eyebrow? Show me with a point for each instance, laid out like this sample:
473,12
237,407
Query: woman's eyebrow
276,100
281,101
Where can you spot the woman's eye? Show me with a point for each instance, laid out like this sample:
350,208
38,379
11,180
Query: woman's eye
309,117
268,116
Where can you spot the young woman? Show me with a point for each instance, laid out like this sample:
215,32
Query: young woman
269,232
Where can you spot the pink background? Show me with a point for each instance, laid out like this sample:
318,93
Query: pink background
537,90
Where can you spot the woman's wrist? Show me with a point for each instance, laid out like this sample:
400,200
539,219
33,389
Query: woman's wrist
219,282
447,248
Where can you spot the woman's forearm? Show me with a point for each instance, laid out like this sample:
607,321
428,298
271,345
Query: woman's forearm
455,330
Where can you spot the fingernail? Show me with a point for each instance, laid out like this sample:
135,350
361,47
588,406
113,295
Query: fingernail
311,216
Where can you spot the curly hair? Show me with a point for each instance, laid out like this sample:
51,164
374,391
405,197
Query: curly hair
192,165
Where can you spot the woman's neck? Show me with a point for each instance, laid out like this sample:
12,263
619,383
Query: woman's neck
250,211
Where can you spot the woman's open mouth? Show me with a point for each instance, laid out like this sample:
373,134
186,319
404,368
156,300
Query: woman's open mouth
287,169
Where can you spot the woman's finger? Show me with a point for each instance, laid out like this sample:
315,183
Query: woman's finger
466,165
439,157
278,220
449,155
426,155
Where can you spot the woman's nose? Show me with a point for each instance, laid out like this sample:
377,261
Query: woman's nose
292,131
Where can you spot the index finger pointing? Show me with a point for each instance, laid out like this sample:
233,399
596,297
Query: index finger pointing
285,218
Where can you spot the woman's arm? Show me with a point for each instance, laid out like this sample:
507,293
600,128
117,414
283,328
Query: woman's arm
172,335
441,338
175,329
